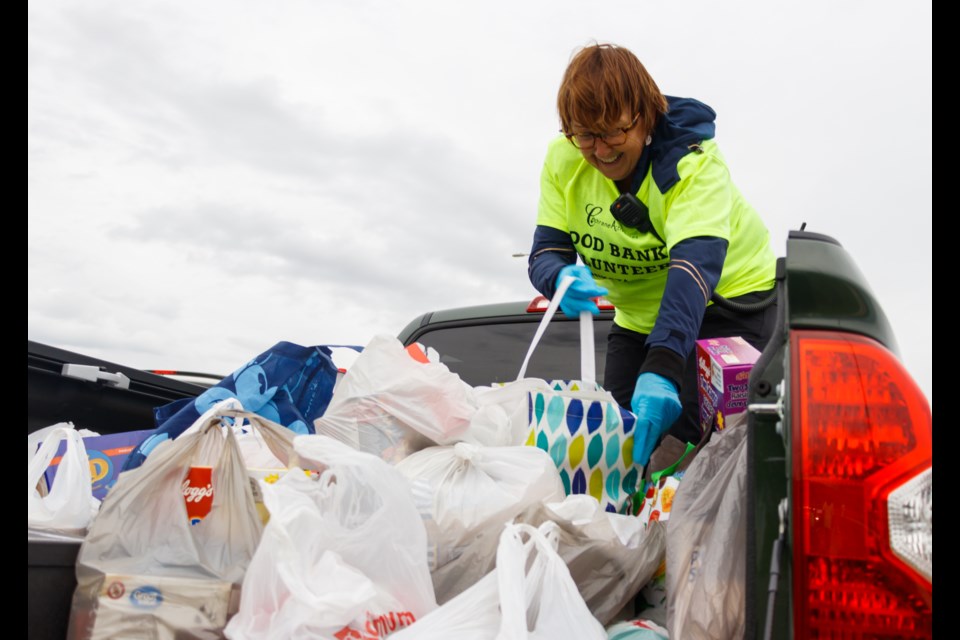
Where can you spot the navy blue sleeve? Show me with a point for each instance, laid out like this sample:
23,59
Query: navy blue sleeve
695,267
552,250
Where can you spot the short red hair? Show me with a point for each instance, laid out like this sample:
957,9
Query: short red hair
602,82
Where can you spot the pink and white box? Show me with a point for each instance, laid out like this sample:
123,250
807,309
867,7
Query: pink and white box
723,374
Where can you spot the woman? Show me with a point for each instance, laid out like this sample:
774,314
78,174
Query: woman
637,188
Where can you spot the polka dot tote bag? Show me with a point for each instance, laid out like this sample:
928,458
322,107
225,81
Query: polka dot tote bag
583,429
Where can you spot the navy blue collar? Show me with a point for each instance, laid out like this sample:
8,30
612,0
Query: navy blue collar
686,124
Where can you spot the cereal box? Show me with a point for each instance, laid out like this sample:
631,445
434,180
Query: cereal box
106,453
151,606
723,371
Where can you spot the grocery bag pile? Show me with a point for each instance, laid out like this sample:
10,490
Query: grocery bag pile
413,506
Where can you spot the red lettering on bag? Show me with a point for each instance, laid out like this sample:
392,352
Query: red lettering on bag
377,627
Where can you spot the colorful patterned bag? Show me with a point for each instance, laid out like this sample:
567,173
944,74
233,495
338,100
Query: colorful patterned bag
585,431
590,439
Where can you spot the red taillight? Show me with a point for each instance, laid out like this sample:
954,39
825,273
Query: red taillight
540,303
862,491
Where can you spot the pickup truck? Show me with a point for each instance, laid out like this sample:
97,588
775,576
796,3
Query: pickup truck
839,438
840,485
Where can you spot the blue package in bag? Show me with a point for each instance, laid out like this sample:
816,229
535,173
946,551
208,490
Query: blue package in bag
288,384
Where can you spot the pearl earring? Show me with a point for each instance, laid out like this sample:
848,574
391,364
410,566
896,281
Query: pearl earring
649,139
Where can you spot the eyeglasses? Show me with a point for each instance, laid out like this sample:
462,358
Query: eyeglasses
586,140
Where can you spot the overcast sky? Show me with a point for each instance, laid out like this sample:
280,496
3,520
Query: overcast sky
206,179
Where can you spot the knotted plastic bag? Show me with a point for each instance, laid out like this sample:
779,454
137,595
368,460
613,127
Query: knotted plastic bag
390,404
344,554
465,494
143,551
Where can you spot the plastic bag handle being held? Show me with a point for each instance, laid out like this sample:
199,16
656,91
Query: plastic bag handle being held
588,367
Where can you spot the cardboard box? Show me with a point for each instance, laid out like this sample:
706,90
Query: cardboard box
106,453
154,606
723,374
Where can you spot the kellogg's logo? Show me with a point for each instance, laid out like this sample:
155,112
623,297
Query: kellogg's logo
196,494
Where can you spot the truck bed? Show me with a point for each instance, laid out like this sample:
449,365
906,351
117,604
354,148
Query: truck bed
105,406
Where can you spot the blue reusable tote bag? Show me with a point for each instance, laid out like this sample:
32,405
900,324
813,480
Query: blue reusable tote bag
288,384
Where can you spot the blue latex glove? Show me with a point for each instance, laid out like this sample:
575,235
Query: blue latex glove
579,297
657,406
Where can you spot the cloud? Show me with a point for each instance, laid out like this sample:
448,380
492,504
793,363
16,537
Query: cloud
205,179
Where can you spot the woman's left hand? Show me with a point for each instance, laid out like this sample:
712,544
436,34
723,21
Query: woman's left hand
657,406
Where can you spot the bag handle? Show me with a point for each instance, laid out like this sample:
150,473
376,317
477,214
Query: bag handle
588,355
45,454
278,438
588,365
520,579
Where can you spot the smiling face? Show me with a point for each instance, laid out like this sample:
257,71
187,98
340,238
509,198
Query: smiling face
603,89
615,161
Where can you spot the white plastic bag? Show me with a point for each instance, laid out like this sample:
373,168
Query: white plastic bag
539,599
707,541
390,405
610,555
35,438
465,494
293,597
343,554
143,544
472,615
530,595
69,504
